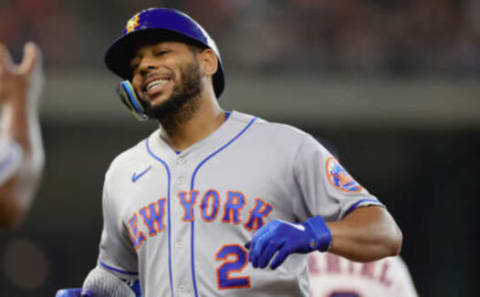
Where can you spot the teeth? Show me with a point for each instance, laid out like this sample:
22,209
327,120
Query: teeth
155,83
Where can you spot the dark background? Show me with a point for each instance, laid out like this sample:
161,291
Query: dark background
393,85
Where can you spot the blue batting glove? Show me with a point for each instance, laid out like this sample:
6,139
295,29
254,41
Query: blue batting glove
285,238
75,292
135,286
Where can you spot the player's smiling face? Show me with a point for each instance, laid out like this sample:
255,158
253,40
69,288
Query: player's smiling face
159,70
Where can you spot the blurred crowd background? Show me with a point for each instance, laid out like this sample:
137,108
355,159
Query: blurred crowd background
391,84
389,37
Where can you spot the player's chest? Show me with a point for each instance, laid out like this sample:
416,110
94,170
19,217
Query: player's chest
216,191
198,178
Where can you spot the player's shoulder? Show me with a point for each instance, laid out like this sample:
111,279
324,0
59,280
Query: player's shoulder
271,130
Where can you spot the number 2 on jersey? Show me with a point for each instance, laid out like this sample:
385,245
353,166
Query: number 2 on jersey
237,262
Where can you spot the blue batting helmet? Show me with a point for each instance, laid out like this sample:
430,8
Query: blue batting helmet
160,24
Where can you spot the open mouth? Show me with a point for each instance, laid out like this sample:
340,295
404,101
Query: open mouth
156,84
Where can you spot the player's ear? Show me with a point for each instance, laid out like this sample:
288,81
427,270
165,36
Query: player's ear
208,62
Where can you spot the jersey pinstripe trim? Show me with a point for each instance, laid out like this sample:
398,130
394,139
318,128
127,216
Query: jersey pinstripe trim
192,185
168,209
356,204
116,269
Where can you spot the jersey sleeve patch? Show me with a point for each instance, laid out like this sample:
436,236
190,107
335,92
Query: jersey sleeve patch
340,178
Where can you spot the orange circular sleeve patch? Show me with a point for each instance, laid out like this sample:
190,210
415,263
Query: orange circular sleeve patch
340,178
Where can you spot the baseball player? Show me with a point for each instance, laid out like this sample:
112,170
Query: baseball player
214,202
21,148
334,276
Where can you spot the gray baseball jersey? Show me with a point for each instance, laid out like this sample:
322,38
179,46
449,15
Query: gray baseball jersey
178,220
334,276
10,158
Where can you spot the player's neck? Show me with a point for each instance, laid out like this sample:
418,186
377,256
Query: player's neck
205,119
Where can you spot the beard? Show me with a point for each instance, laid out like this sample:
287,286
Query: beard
182,104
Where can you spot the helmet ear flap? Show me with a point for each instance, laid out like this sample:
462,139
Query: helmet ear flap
129,97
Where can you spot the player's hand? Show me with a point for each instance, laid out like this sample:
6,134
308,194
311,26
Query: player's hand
284,238
75,292
22,82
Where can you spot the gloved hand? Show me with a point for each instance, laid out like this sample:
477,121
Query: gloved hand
287,238
75,292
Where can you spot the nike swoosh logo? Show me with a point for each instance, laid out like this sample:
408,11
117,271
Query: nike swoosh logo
296,226
136,176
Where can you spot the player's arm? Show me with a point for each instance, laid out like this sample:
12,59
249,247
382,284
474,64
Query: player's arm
359,227
116,273
101,283
20,89
117,278
366,234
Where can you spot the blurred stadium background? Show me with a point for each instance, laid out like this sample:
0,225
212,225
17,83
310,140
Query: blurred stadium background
392,84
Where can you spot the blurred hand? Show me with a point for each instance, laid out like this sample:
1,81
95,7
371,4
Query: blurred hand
22,83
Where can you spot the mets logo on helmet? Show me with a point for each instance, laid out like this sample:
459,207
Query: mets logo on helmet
340,178
133,23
